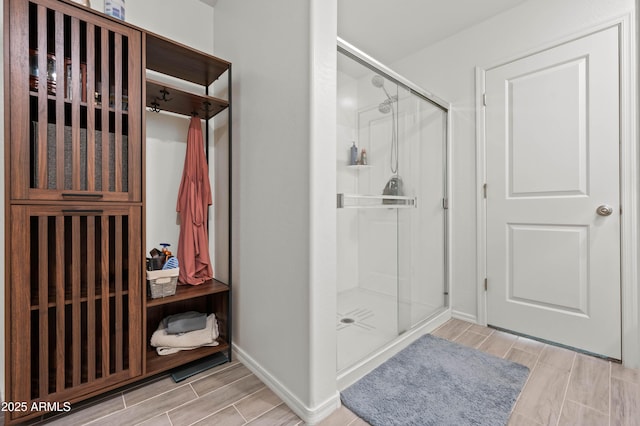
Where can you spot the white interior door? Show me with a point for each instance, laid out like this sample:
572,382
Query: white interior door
553,211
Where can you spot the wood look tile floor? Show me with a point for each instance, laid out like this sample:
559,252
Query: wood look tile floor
563,388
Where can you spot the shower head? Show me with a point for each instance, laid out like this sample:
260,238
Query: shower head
385,107
377,81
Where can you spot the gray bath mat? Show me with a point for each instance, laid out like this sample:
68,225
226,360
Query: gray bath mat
437,382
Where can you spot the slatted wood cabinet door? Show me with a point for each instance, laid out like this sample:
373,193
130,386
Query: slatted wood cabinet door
75,90
75,309
74,203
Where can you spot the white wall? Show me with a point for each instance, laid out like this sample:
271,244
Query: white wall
284,125
188,21
447,68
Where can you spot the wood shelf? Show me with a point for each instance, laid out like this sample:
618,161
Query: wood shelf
157,363
184,292
175,59
182,102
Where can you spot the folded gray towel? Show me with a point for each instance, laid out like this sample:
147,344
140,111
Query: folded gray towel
185,322
190,340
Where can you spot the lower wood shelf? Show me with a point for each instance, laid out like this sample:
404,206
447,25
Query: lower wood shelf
184,292
159,363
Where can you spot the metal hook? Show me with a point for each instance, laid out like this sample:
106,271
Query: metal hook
165,92
155,106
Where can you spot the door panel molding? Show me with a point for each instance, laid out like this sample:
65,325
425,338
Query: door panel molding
522,243
630,292
567,173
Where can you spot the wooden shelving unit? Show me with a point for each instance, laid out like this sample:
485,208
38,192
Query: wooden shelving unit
78,315
184,63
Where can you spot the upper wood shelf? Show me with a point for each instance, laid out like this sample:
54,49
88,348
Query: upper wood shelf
181,102
170,57
177,60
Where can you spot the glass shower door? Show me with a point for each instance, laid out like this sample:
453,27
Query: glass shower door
367,227
422,285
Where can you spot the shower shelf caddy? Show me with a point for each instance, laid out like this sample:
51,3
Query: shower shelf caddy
78,318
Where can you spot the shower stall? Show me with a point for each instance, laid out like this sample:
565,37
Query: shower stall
391,208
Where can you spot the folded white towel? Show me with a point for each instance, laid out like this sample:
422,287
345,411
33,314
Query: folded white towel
165,350
185,341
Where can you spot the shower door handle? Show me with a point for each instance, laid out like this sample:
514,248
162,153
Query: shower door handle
387,201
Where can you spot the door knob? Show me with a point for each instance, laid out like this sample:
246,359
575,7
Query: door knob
604,210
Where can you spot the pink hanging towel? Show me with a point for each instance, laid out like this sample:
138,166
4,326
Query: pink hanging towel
194,197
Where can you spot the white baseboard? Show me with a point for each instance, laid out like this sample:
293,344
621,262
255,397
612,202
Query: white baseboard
310,415
464,316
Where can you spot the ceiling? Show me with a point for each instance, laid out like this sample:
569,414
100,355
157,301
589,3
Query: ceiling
211,3
389,30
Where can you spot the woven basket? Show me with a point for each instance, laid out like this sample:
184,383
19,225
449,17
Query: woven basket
163,283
